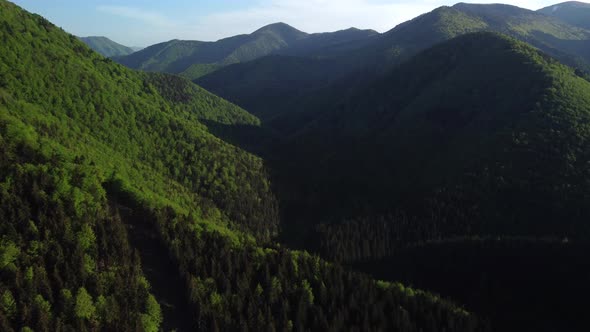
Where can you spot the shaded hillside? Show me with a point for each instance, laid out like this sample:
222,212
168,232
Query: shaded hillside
572,12
88,147
500,152
264,84
106,46
514,281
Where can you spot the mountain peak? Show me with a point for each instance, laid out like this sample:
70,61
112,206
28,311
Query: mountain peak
280,28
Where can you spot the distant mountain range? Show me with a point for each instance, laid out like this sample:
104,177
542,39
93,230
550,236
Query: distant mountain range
193,59
107,47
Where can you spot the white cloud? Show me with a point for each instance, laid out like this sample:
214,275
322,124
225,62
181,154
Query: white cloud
150,18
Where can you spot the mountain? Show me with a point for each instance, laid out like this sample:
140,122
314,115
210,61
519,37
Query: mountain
106,46
121,211
262,91
193,59
573,12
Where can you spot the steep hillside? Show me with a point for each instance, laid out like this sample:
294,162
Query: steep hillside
572,12
106,46
111,188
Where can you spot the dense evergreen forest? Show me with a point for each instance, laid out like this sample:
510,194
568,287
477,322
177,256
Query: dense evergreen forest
450,154
105,173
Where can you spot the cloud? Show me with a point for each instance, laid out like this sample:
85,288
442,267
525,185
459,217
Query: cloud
150,18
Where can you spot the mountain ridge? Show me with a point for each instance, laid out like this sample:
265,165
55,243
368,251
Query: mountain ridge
193,59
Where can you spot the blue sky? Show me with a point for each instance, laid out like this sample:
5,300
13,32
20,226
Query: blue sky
146,22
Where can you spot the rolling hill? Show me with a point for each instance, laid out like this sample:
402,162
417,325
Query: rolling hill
573,12
106,46
121,210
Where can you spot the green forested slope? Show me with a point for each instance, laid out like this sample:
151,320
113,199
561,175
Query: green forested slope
91,152
106,46
86,104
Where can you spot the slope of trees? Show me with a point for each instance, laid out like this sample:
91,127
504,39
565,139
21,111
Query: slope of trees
136,131
65,263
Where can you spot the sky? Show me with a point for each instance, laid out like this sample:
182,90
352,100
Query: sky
146,22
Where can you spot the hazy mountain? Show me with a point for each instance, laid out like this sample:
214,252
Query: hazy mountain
194,58
106,46
573,12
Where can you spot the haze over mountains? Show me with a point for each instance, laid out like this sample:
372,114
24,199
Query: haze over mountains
451,153
106,46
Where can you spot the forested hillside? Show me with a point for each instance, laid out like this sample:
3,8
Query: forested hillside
93,155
